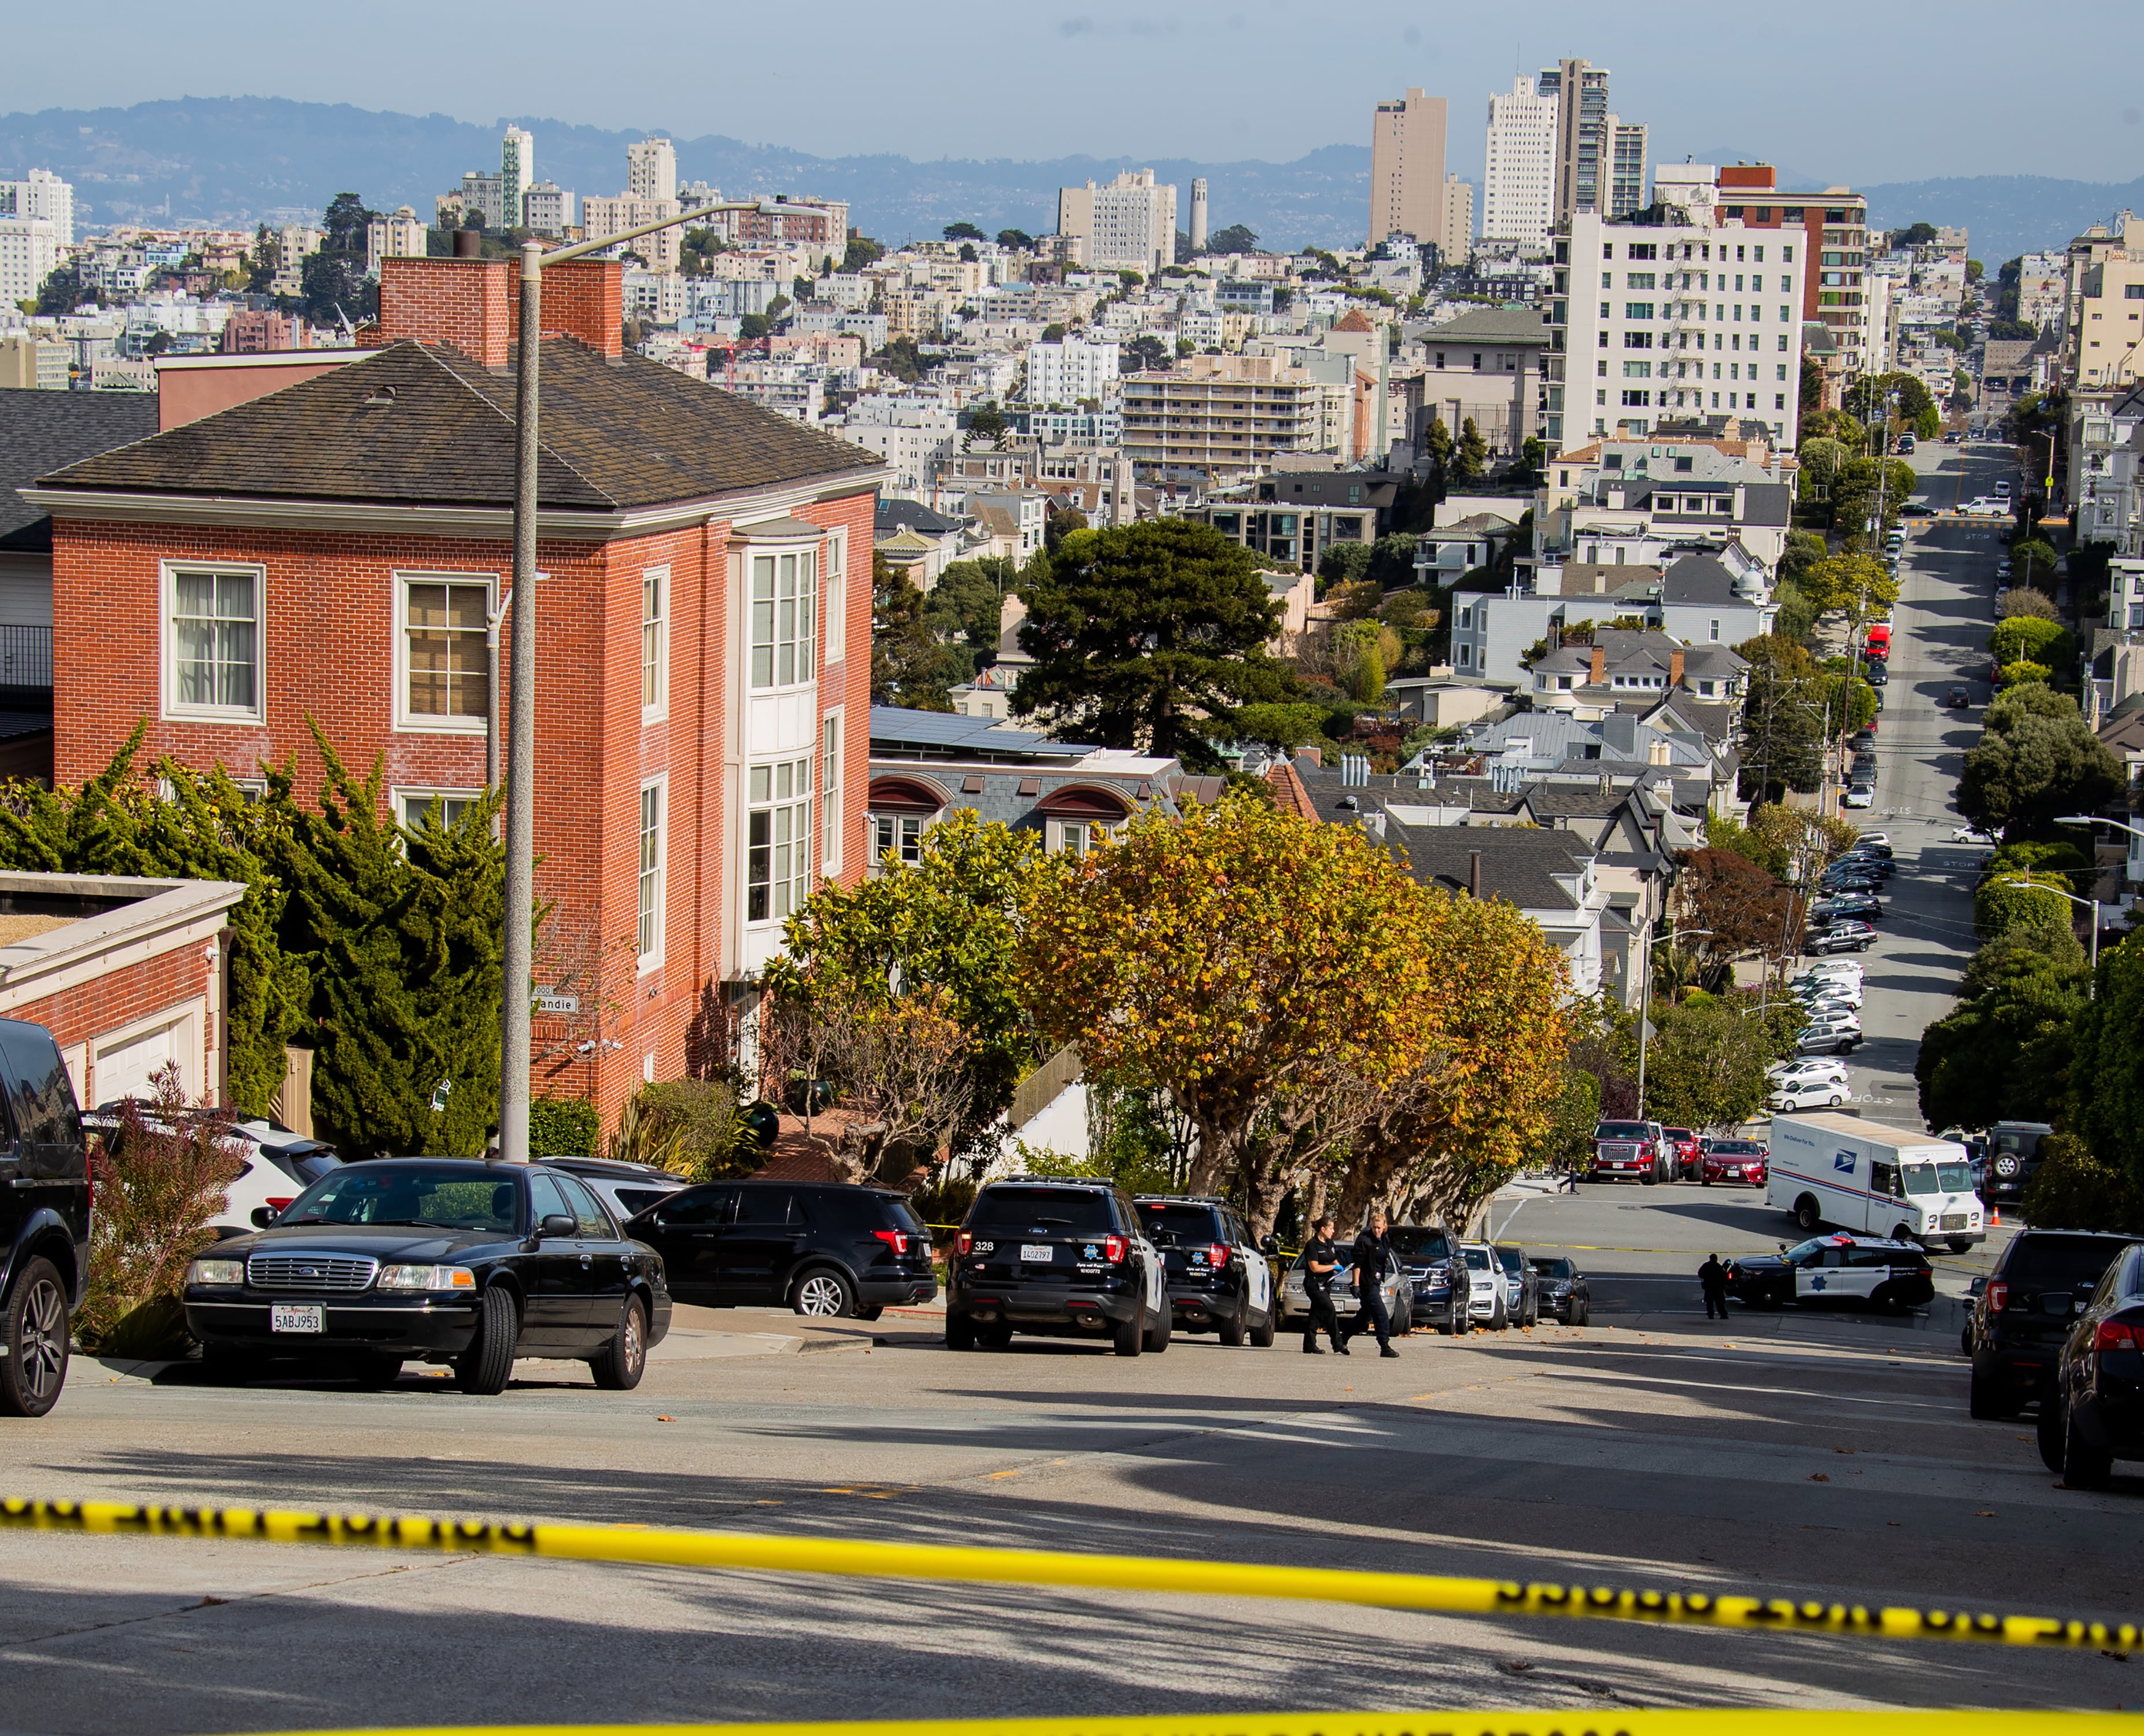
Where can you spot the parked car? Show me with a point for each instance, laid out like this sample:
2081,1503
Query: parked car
2043,1281
1564,1295
1811,1094
2098,1415
1841,1040
822,1248
628,1189
1487,1305
1521,1285
2013,1151
1875,673
1061,1259
437,1259
1805,1071
1971,834
1682,1143
1840,937
1859,795
1838,1269
1733,1160
1295,1300
1880,842
1218,1276
1826,969
1632,1150
1439,1289
275,1165
44,1218
1859,905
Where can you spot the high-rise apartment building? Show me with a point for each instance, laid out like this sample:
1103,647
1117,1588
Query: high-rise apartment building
1128,225
1698,320
547,208
30,252
1583,145
1071,372
1518,188
1626,172
1407,194
517,172
401,236
651,169
42,195
1457,246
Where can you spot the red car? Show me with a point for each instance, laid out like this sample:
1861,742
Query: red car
1632,1150
1683,1142
1734,1160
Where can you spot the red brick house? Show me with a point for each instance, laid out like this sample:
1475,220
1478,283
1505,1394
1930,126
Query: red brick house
334,550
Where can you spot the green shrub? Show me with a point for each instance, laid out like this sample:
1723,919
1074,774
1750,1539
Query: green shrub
2074,1190
563,1127
693,1128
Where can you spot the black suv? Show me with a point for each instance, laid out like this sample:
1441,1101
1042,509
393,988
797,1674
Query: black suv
2095,1413
1063,1259
44,1218
1218,1277
2026,1310
2012,1150
1438,1288
819,1248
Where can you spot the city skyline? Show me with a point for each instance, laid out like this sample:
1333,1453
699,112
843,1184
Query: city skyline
1853,118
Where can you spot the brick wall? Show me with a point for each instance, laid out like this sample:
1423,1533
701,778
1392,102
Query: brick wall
133,992
475,304
584,298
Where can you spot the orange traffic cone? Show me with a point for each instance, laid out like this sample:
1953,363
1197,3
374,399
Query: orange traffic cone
1995,1217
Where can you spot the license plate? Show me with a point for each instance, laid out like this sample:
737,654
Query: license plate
1037,1251
297,1317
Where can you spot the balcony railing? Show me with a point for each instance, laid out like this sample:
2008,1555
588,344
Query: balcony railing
26,657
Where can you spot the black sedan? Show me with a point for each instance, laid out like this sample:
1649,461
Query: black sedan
1564,1295
1860,906
432,1259
2098,1415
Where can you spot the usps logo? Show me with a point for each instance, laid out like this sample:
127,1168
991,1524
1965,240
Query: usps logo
1843,1163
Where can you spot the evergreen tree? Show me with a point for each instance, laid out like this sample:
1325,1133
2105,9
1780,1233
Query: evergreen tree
909,667
1471,459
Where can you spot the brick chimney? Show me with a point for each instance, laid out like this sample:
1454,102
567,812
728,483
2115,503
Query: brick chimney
1674,667
1599,674
475,304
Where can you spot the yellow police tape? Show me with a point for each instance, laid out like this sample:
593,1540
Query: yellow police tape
1445,1593
1533,1722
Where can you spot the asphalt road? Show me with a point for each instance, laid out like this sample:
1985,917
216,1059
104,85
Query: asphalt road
1807,1455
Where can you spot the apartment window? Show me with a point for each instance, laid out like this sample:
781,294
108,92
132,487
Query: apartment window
778,841
782,587
831,825
1637,310
837,596
654,642
1637,340
1716,633
1637,370
1778,400
901,834
1637,399
215,642
446,806
648,941
1640,280
446,678
1079,837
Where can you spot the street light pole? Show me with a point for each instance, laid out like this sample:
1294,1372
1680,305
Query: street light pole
2090,904
517,943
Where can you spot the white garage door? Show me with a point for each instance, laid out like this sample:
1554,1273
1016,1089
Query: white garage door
124,1069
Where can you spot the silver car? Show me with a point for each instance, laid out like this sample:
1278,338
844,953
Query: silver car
1295,1302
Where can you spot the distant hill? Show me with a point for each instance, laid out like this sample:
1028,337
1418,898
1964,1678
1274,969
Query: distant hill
2004,215
244,160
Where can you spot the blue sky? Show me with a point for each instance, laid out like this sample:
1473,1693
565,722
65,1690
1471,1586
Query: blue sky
1842,90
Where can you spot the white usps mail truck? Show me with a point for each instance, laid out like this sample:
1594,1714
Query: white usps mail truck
1873,1180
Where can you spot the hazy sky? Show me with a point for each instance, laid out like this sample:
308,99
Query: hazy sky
1856,90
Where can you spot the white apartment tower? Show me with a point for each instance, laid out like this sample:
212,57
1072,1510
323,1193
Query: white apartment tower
1408,191
651,170
30,252
1128,225
1199,216
1518,191
517,172
1070,372
1698,321
43,195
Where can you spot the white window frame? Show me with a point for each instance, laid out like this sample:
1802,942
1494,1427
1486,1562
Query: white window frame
802,638
406,720
835,619
785,893
168,650
651,879
655,656
1077,836
402,795
894,823
832,823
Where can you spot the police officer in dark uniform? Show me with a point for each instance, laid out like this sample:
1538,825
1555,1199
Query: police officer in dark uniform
1320,1260
1713,1277
1370,1250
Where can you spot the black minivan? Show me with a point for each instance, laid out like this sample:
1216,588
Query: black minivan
819,1248
44,1218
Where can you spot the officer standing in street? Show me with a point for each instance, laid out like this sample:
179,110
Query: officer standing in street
1712,1275
1321,1259
1370,1250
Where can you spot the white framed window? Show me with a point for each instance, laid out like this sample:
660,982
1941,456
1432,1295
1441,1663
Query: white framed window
784,587
442,661
832,820
1077,837
778,840
212,639
837,596
654,842
411,805
654,644
901,834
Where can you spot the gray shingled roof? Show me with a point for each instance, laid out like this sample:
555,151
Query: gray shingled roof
1767,503
42,431
1697,579
1518,863
423,424
1486,325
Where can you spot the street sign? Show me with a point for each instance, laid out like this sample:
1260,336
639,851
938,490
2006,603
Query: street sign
550,1001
